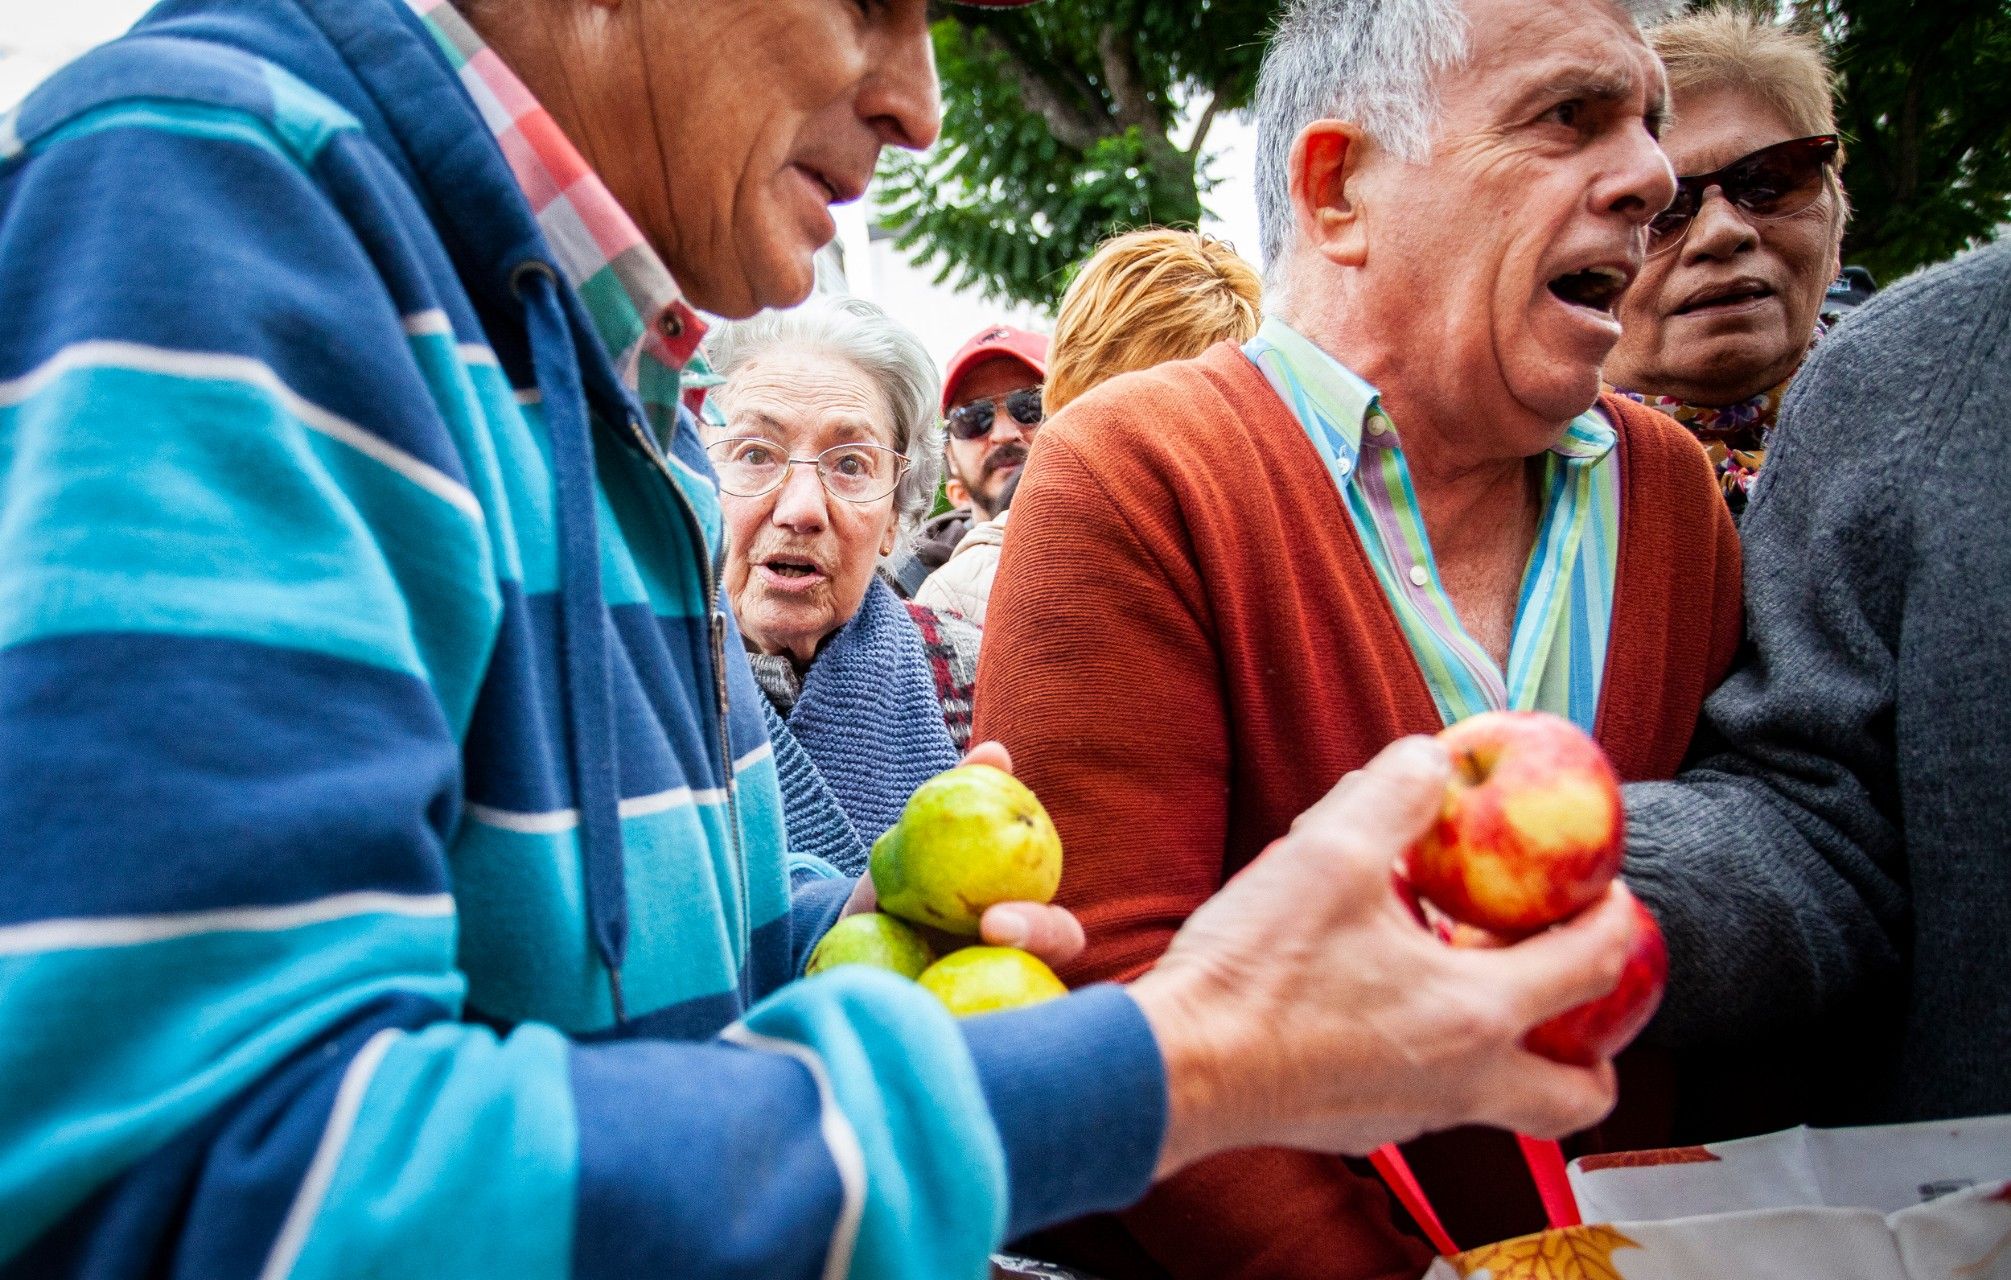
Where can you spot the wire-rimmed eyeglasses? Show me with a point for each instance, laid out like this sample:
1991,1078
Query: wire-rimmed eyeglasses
749,466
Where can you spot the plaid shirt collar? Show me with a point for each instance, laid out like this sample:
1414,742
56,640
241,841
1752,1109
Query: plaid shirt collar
649,330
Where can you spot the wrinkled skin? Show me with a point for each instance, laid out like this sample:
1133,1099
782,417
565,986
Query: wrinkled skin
1432,279
805,401
727,129
1719,355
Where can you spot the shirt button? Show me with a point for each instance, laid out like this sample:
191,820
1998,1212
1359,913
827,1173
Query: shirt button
1418,576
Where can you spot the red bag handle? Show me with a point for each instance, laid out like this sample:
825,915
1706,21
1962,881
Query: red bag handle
1553,1186
1544,1158
1396,1172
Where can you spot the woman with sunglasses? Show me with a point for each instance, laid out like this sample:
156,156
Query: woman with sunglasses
825,453
1725,308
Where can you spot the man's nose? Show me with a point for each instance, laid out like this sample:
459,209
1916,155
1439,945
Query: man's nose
800,503
1005,428
1719,230
901,98
1642,183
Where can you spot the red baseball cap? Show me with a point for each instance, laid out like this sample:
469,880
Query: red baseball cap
1030,349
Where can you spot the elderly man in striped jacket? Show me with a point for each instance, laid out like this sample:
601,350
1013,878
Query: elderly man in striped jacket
395,875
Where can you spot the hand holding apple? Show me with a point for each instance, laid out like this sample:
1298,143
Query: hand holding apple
1529,833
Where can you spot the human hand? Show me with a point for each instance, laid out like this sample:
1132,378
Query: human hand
1306,1005
1050,932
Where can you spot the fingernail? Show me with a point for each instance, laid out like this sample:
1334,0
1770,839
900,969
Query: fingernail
1012,930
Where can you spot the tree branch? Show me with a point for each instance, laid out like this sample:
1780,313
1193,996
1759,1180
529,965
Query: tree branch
1201,126
1069,122
1125,82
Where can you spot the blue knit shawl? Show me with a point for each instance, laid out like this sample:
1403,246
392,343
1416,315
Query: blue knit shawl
866,730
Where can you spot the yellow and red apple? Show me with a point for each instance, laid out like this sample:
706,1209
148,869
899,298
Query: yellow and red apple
1531,830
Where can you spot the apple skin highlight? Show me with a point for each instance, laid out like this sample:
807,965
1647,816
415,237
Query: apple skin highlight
1531,831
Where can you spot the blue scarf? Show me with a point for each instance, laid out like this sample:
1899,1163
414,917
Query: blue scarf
866,730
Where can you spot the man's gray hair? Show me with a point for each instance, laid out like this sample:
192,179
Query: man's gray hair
886,351
1373,63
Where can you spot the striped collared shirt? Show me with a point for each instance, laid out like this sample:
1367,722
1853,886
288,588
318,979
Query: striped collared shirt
1557,655
637,309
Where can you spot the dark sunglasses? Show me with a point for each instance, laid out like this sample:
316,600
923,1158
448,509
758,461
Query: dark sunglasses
1772,182
974,421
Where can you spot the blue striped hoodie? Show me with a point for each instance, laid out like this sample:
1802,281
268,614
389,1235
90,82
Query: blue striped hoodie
395,876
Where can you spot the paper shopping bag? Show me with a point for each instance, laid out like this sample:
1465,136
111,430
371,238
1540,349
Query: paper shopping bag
1902,1202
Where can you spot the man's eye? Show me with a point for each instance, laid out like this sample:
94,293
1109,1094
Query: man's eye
1569,114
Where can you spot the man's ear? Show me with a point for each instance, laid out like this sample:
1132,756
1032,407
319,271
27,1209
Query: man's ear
956,491
1324,172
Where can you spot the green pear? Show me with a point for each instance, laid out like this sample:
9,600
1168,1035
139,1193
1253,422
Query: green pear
986,979
871,938
968,838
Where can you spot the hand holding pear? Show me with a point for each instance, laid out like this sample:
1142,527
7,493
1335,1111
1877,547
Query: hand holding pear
968,839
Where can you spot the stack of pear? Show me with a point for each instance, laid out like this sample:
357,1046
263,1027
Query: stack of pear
967,839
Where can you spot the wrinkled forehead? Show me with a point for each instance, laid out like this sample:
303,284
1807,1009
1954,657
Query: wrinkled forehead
796,396
1522,50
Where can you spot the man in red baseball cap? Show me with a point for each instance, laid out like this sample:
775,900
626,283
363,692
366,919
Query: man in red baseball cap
991,406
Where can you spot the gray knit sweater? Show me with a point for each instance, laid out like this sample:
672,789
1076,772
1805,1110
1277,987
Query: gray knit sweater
1842,852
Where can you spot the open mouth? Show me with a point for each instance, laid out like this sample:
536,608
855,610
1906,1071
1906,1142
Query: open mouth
834,193
1726,297
793,569
1594,288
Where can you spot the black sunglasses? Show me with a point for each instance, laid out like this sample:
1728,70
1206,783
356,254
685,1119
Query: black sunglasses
1772,182
974,420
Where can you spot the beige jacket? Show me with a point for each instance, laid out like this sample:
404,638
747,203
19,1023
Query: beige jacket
964,582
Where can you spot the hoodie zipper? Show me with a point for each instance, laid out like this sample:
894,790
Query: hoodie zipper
716,624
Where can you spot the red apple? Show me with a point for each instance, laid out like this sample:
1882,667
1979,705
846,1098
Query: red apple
1531,829
1598,1029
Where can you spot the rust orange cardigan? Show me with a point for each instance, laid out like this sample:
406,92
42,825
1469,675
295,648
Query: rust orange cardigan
1187,647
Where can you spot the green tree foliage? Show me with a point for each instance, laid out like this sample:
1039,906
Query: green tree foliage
1059,126
1925,110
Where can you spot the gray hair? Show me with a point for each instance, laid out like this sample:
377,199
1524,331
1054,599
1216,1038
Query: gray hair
1373,63
886,351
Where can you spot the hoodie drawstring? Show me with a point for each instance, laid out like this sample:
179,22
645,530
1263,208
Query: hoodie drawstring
584,643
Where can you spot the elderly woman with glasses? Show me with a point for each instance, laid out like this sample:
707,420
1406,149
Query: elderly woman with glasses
1725,308
825,450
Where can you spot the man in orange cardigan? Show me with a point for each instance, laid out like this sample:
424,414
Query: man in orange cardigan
1230,581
